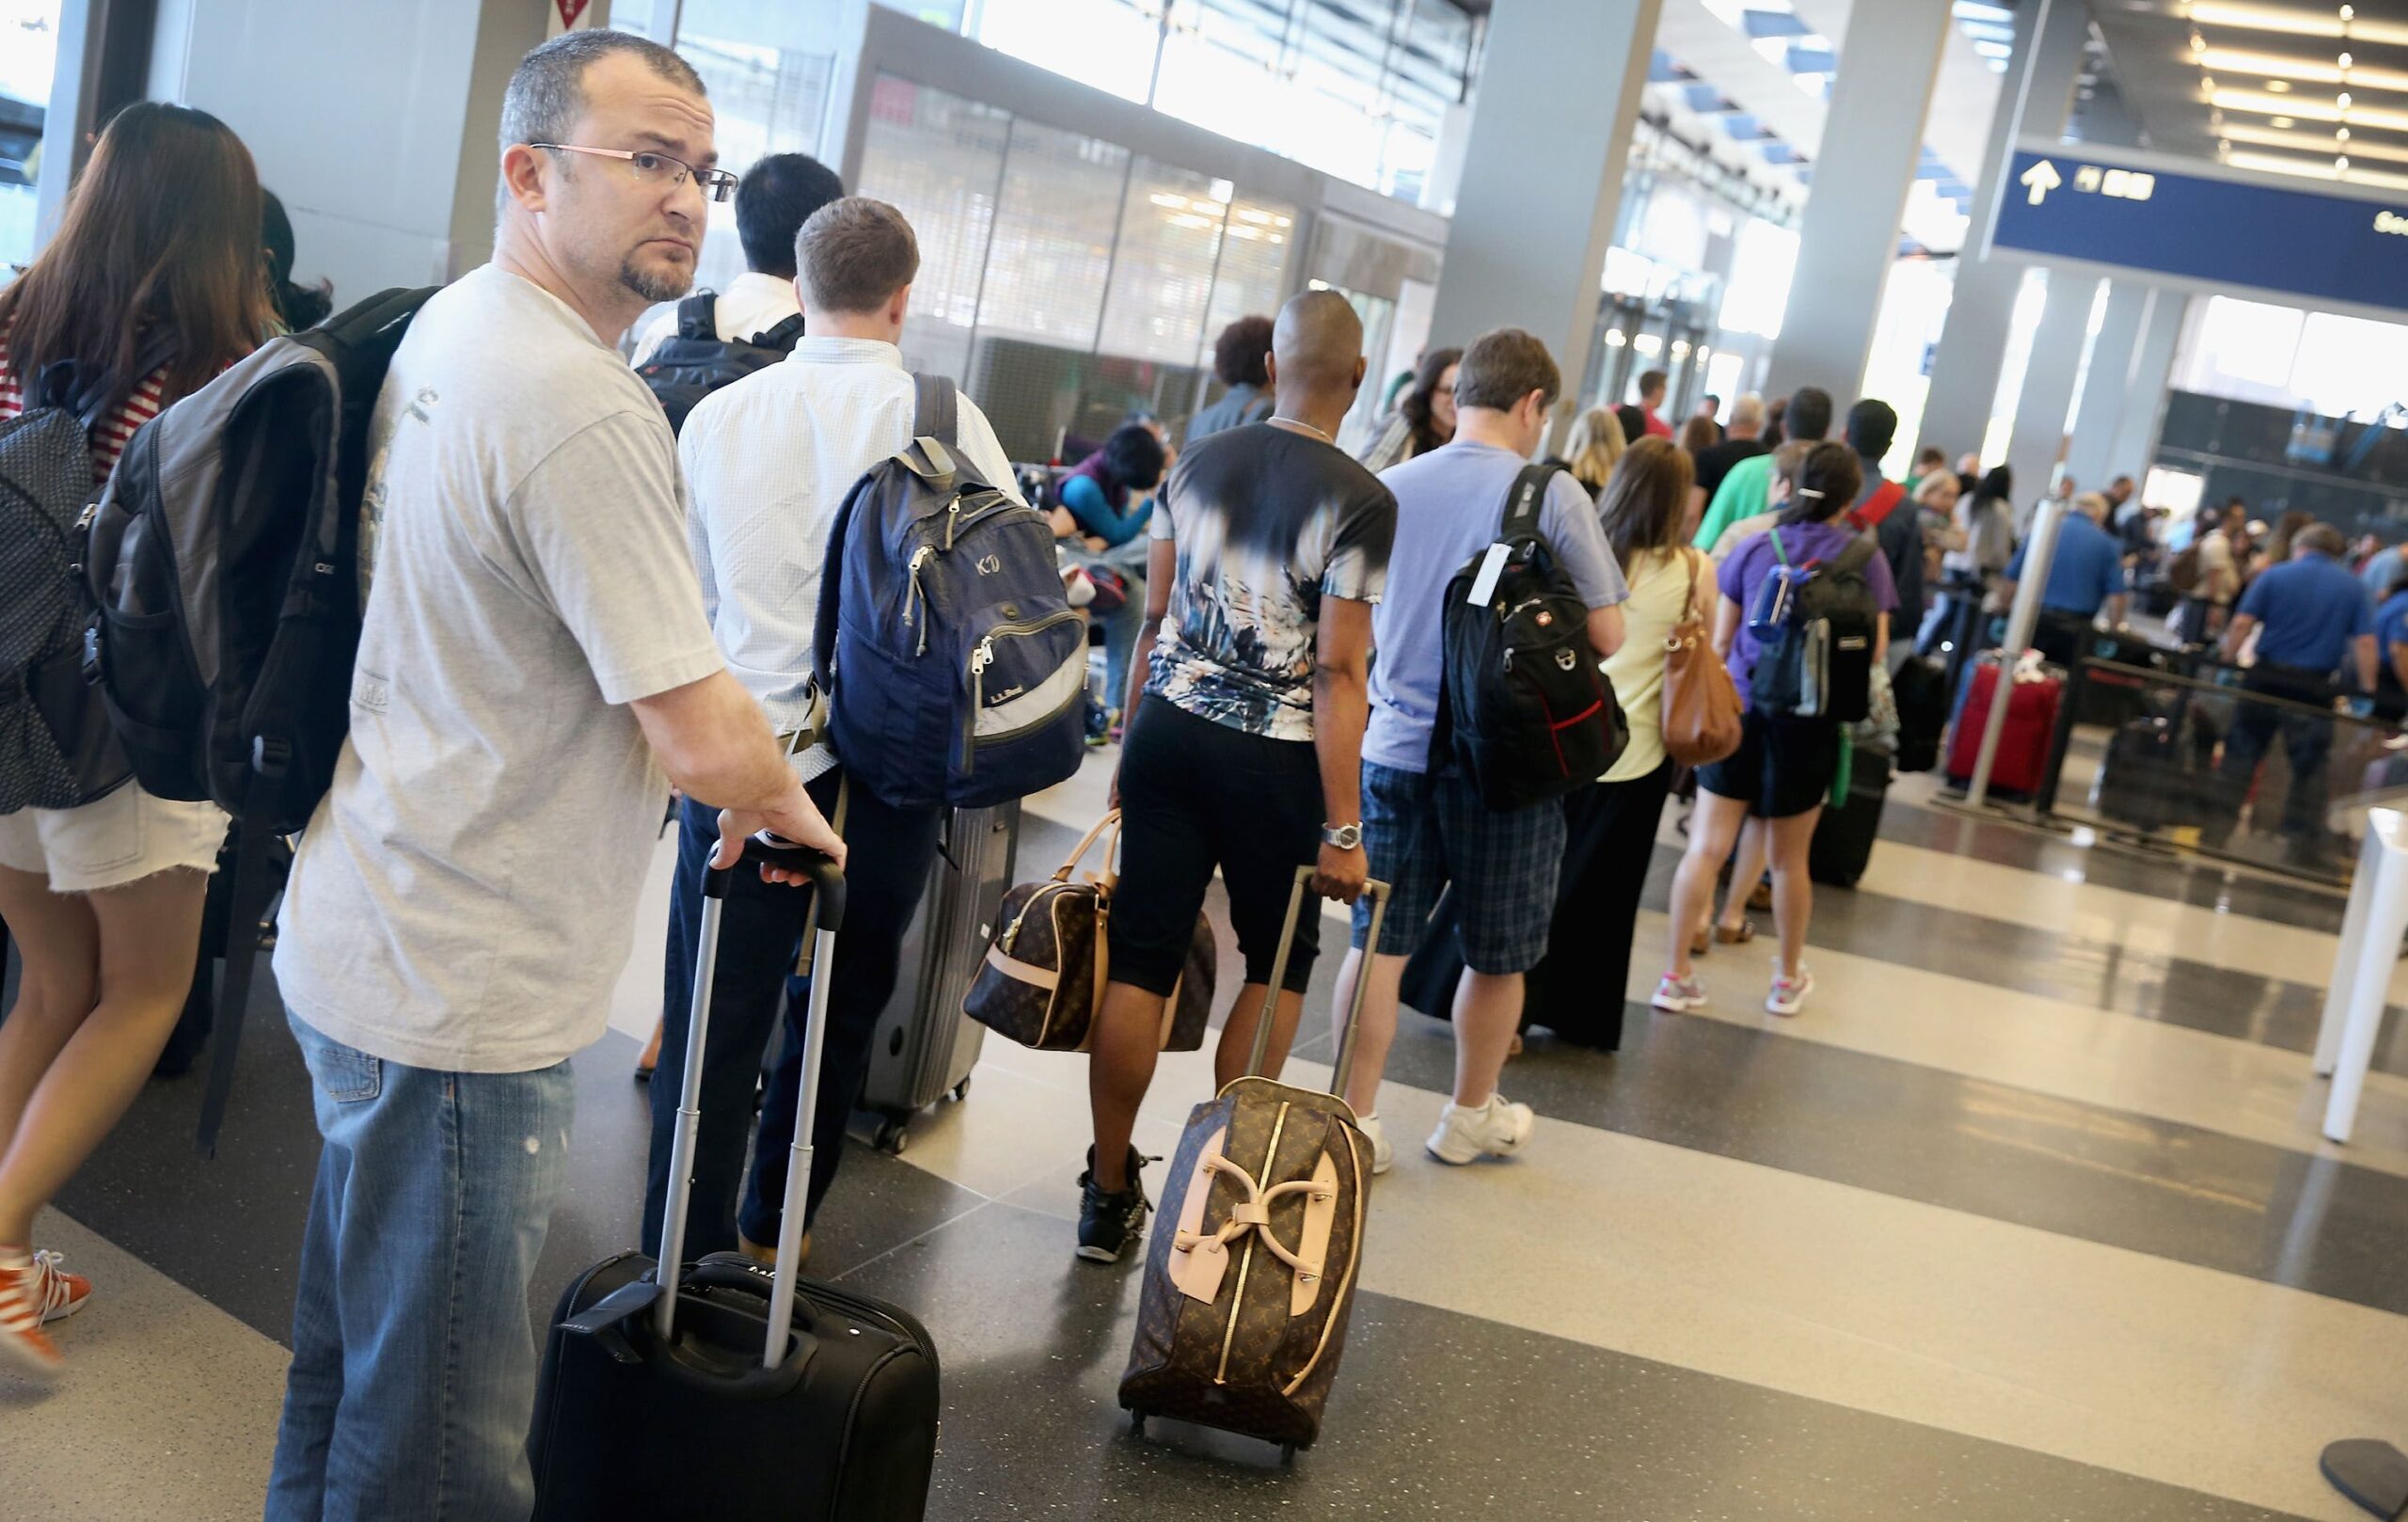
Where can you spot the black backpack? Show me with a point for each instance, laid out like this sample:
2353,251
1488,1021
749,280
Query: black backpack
224,562
1813,624
1523,708
56,749
695,361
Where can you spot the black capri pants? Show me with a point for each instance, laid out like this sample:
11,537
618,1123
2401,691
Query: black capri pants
1196,795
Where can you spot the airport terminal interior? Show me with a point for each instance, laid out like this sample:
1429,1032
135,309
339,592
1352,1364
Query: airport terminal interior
2078,1188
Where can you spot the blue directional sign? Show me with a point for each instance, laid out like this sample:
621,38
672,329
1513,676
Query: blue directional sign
2064,204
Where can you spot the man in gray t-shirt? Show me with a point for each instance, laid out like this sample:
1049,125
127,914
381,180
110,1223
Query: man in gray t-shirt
534,657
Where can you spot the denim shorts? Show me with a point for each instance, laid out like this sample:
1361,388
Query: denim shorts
1423,833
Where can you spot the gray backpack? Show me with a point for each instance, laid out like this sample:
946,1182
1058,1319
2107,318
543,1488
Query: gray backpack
56,749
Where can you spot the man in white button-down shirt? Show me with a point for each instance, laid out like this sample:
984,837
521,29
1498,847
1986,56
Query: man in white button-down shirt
768,462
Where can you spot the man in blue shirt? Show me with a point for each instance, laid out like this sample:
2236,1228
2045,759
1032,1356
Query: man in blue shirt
2311,612
1427,828
2391,654
2085,575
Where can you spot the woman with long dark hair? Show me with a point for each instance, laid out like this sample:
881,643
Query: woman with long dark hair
153,284
1784,766
1424,419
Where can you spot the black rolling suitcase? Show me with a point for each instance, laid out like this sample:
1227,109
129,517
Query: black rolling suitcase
655,1406
1844,836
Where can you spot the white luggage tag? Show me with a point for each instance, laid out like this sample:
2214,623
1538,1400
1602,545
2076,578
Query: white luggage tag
1484,586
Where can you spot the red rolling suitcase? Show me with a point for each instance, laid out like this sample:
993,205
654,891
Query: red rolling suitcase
745,1393
2022,757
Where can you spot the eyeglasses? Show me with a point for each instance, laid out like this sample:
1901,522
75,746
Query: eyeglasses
657,169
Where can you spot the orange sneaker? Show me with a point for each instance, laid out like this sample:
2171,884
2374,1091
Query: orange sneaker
22,1340
57,1293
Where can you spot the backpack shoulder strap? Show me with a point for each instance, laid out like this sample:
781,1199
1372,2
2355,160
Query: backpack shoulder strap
781,336
1878,506
1779,551
1524,500
935,413
698,316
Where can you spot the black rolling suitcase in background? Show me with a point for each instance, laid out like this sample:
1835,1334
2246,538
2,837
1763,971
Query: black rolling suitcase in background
1844,836
925,1046
653,1407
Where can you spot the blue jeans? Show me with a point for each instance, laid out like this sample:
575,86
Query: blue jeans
413,1378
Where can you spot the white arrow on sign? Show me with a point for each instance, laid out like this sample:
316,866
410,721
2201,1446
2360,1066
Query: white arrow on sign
2040,179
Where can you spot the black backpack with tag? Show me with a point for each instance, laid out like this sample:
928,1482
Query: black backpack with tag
224,563
1524,709
695,361
1813,624
56,748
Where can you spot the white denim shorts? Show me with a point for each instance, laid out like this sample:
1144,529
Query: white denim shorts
119,838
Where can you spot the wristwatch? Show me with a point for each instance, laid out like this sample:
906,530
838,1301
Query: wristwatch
1344,836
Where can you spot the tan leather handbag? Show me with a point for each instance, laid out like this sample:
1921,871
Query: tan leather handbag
1043,982
1700,702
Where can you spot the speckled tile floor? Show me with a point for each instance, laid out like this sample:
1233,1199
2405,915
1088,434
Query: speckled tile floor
2025,1218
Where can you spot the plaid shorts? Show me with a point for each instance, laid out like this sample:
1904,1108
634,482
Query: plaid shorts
1423,833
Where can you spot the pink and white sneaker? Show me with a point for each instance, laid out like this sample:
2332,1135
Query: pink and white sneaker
1680,995
1789,990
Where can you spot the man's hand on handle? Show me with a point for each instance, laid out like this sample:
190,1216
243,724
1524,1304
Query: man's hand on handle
798,819
1340,873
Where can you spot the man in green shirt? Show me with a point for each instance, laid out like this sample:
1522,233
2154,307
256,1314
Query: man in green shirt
1747,490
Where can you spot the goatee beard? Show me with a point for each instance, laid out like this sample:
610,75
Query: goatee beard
667,285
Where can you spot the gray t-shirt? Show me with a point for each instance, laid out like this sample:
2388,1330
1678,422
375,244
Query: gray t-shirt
464,896
1449,504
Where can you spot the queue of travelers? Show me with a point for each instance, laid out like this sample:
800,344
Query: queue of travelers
461,902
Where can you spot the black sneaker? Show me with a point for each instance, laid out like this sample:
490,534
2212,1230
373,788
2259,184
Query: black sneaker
1108,1223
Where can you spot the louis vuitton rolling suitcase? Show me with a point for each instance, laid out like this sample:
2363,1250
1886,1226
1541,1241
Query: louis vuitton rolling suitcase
744,1393
1252,1264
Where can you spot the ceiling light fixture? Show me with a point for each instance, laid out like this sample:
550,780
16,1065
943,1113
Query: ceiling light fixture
2280,86
2342,100
2341,135
2268,18
2286,121
2344,60
2341,164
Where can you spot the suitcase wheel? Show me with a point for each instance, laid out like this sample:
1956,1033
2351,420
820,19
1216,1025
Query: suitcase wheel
891,1136
1288,1454
1137,1425
961,1090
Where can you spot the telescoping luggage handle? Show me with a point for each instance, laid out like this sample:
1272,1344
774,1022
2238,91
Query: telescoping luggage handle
1297,897
827,912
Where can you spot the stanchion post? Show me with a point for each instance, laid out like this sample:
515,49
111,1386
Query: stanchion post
2038,554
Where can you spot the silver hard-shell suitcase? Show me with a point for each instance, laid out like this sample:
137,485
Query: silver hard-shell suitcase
925,1046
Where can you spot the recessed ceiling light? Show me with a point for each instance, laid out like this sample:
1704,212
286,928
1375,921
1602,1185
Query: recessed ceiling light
2280,86
2344,60
2342,134
2284,121
2342,163
2349,12
2198,43
2342,100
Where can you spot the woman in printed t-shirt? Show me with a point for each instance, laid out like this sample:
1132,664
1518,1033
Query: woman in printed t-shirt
158,255
1784,766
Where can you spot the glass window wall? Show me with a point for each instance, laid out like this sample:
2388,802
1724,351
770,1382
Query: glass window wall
1064,281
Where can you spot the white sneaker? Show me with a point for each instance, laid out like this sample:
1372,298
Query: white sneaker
1383,1155
1493,1129
1680,995
1789,991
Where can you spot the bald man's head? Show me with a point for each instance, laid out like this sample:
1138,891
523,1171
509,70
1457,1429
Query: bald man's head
1317,346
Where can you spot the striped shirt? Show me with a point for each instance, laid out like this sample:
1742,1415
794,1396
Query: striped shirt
110,435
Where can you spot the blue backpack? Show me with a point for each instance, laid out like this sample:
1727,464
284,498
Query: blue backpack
953,661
